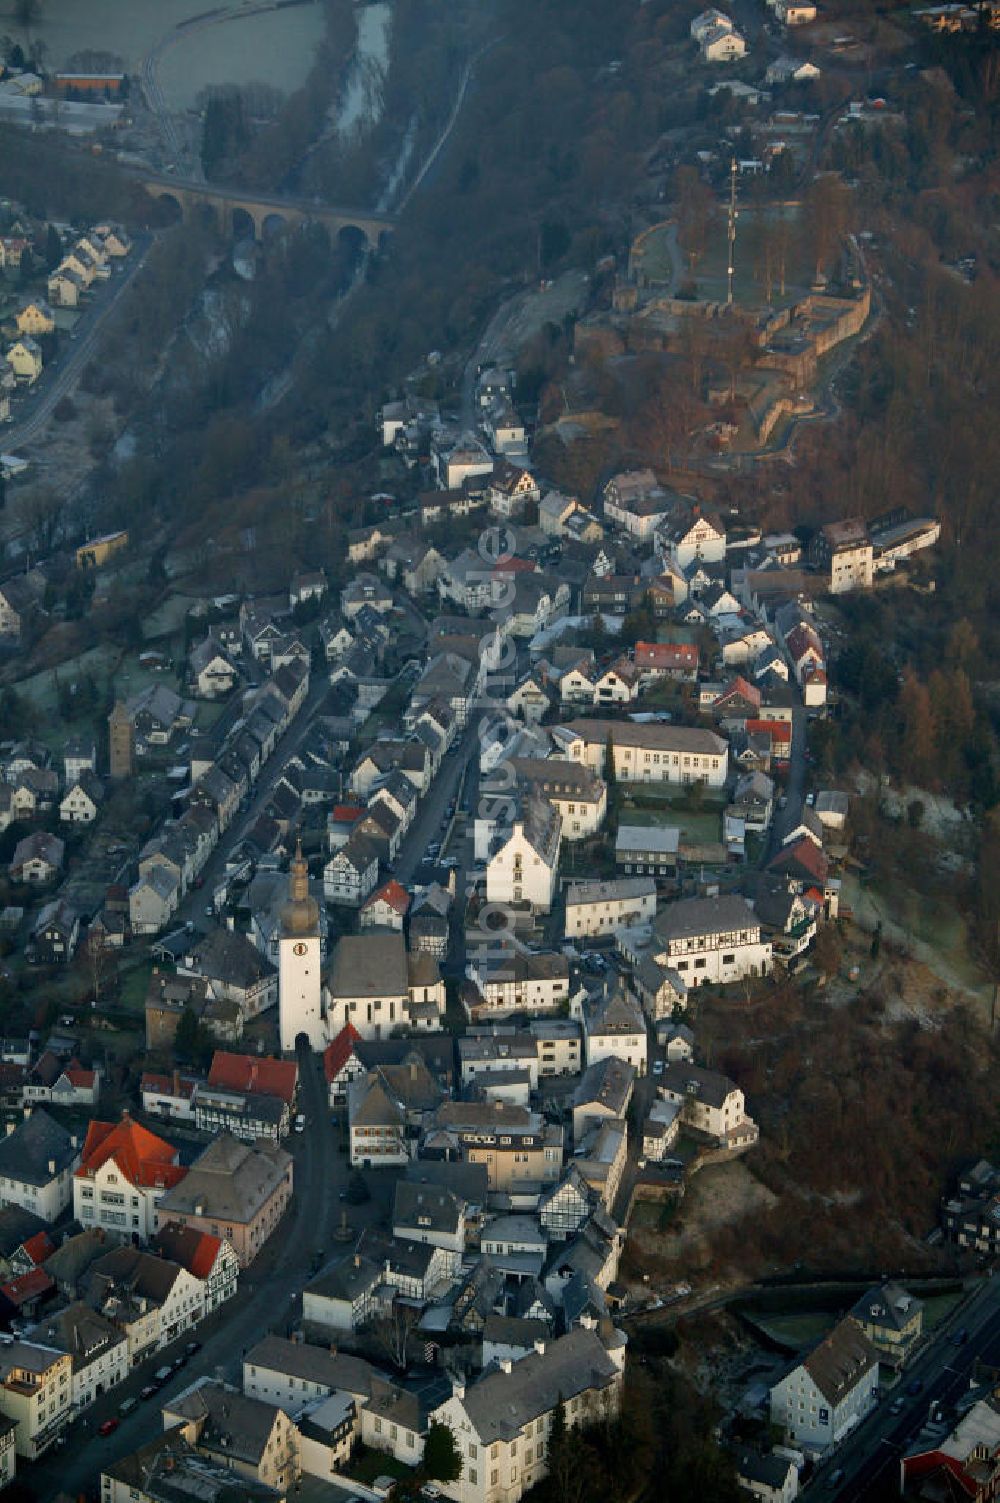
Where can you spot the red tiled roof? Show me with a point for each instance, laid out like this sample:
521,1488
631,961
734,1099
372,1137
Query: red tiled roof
164,1084
346,813
746,691
257,1074
778,730
78,1076
666,655
514,565
804,854
392,893
29,1286
339,1050
140,1155
194,1250
39,1247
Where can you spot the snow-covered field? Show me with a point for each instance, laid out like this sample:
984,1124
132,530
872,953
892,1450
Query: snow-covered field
275,48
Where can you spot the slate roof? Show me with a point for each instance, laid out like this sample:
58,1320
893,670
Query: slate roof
26,1152
231,1180
369,965
691,917
501,1404
840,1360
706,1086
316,1364
228,956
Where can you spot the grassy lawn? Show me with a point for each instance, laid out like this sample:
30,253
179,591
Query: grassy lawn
798,1330
705,825
753,228
937,1307
133,984
367,1465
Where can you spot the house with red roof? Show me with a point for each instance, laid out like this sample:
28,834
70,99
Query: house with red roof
125,1170
386,907
255,1074
738,698
169,1096
32,1253
62,1082
211,1259
677,660
802,860
341,1065
22,1298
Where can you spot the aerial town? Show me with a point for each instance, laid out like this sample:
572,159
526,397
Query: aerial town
498,919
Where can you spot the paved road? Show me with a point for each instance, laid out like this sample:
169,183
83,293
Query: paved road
870,1458
267,1300
197,900
74,354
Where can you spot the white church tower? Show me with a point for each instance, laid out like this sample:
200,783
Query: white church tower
300,981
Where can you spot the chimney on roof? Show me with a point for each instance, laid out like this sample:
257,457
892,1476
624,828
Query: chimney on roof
506,1365
540,1348
126,1114
52,1166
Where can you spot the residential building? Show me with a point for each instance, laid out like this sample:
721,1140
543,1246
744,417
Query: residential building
636,502
965,1463
601,908
710,1103
168,1469
37,858
647,753
516,1145
614,1025
502,1422
507,978
25,359
55,934
971,1215
81,803
667,660
844,553
647,850
559,1044
351,874
233,1191
711,940
97,1348
211,1260
124,1173
603,1095
829,1392
253,1439
36,1393
292,1375
891,1319
523,867
580,797
600,1158
429,1213
38,1159
769,1478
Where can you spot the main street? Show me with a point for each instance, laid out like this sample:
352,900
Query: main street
869,1459
267,1300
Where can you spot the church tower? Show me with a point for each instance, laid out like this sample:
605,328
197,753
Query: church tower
299,968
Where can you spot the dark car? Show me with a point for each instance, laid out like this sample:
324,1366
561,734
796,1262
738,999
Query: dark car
915,1387
191,1348
148,1392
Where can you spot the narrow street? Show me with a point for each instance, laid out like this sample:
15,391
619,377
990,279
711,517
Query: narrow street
267,1301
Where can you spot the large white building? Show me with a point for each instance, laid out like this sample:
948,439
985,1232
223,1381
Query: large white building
124,1173
616,1027
711,940
829,1392
37,1161
523,868
647,753
594,908
300,980
501,1423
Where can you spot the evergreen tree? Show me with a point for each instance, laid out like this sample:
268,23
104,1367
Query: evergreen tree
442,1458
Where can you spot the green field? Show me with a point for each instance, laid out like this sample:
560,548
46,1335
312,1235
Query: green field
754,227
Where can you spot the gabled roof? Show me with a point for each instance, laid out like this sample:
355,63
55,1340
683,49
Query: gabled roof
194,1250
25,1153
256,1074
142,1157
338,1051
391,893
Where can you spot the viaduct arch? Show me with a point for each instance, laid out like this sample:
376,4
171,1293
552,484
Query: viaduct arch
266,211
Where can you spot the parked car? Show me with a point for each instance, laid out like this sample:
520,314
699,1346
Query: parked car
148,1392
126,1407
657,1067
108,1427
915,1387
191,1348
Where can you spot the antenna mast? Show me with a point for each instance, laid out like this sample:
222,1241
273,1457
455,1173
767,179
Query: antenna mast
732,232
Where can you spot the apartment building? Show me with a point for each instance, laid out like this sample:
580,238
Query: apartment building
648,753
713,940
601,908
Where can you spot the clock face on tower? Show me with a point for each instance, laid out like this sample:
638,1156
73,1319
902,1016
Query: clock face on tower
299,949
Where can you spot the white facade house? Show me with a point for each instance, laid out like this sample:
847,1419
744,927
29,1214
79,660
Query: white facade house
647,753
723,44
595,908
709,1103
501,1423
124,1173
616,1028
713,940
38,1159
826,1395
523,869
